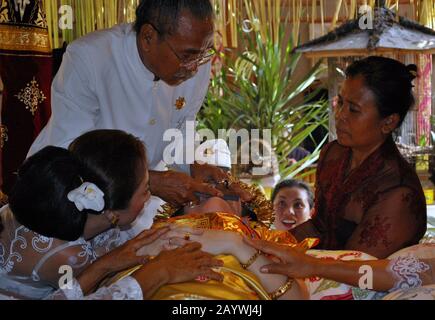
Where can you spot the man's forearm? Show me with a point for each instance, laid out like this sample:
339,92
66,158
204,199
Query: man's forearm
150,278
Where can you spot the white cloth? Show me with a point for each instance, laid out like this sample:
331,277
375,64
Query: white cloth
103,84
215,152
146,218
125,289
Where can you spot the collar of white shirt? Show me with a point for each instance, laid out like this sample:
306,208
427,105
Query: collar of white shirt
132,53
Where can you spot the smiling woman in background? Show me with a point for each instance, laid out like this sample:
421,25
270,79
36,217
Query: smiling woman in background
368,198
293,204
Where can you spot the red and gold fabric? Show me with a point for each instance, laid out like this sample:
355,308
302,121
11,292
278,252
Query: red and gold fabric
230,222
26,72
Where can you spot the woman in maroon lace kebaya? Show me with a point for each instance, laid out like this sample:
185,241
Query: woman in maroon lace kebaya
368,198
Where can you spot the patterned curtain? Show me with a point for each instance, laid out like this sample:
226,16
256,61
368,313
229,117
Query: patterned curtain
26,72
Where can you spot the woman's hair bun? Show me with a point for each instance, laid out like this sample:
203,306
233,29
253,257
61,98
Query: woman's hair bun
413,71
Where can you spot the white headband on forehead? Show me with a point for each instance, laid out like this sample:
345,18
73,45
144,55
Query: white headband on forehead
87,196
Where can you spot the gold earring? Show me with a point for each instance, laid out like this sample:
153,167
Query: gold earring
113,219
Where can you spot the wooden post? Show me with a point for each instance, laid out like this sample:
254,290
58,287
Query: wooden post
332,92
432,119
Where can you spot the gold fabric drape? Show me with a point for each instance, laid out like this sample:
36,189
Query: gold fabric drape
238,284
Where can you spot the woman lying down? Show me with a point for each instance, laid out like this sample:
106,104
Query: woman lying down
77,221
186,270
223,235
251,253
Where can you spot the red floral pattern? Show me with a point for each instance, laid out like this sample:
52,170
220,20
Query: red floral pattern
335,188
375,232
367,196
362,190
346,296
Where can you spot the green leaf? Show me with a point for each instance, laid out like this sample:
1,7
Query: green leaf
257,89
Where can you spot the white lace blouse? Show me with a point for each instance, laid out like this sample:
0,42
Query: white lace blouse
411,272
30,263
125,289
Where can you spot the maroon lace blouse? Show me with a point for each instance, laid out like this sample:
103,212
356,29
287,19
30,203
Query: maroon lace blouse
378,208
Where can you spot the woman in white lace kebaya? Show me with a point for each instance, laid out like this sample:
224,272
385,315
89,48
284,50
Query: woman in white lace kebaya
30,261
174,266
403,272
48,218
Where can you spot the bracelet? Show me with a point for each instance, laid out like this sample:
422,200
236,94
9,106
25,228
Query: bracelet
251,260
283,289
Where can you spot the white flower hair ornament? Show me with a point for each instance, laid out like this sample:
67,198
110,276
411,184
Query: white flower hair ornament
87,196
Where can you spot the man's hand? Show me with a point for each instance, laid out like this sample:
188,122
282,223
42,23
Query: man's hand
176,266
211,174
187,263
207,173
178,188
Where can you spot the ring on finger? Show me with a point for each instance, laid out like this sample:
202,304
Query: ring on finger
187,236
225,183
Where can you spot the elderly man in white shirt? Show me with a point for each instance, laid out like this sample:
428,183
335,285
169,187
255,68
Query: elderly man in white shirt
143,78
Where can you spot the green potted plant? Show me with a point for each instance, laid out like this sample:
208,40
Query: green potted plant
257,89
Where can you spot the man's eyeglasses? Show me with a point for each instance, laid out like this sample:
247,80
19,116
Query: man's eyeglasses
189,63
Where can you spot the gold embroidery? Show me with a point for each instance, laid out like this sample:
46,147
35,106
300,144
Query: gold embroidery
41,20
180,103
3,135
35,18
24,39
199,223
31,96
4,12
262,207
